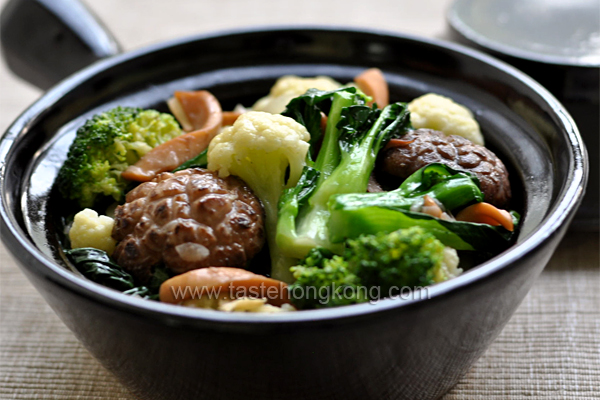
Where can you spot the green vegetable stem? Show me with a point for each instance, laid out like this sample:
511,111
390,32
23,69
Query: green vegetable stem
354,136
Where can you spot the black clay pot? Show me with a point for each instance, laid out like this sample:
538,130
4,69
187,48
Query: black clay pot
413,348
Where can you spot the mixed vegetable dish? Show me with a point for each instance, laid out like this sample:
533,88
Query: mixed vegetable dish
319,195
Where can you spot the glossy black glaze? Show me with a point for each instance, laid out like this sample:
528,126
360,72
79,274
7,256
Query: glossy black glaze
44,41
578,89
396,349
576,85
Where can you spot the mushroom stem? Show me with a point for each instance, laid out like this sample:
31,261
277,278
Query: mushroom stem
223,283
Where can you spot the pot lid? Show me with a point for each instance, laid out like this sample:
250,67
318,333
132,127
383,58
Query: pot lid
550,31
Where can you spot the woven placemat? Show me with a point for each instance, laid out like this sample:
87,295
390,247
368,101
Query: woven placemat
549,350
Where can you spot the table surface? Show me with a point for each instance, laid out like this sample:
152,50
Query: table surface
549,350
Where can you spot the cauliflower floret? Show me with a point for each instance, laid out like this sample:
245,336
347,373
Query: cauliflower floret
92,230
259,148
290,86
246,304
449,267
432,111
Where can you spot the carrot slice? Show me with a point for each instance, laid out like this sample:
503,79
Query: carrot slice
323,122
204,114
394,143
229,117
373,84
224,282
485,213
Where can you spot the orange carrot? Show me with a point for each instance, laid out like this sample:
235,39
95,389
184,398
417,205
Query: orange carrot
204,114
393,143
225,282
485,213
229,117
323,122
373,84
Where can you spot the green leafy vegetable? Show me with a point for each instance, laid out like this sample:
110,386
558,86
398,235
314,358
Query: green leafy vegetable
307,108
360,132
97,266
456,234
200,161
355,214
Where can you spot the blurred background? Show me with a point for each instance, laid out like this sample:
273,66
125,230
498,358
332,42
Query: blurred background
549,350
136,23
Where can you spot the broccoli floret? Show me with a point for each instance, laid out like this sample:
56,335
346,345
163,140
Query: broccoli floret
372,266
105,146
324,280
406,257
